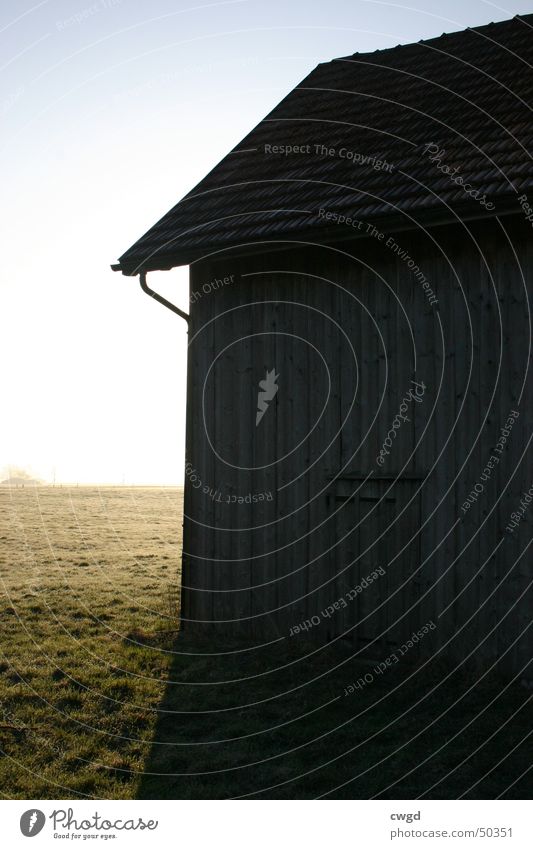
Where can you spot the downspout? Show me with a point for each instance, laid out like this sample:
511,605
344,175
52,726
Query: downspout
145,287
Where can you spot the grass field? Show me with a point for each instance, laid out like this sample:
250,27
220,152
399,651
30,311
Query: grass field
101,696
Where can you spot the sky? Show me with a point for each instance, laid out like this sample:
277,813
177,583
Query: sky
111,111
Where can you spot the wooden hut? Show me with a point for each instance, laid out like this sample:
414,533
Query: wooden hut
358,460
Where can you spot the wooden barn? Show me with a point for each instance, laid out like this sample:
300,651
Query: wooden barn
358,461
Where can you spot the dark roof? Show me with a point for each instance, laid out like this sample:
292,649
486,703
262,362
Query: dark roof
469,92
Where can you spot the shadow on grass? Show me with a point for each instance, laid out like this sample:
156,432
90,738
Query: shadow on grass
275,722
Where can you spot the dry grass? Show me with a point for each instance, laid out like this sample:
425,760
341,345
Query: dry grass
100,697
86,574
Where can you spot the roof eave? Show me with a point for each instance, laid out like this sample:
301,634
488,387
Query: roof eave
133,266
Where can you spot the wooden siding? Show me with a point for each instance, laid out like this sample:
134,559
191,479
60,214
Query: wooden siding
285,518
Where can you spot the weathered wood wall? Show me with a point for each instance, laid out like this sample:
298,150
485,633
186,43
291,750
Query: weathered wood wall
284,519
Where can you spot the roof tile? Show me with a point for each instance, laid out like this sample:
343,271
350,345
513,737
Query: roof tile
470,93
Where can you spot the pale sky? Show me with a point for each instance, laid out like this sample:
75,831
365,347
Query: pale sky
111,111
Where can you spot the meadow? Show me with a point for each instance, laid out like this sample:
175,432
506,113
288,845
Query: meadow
102,696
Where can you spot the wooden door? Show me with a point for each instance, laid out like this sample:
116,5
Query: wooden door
376,525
